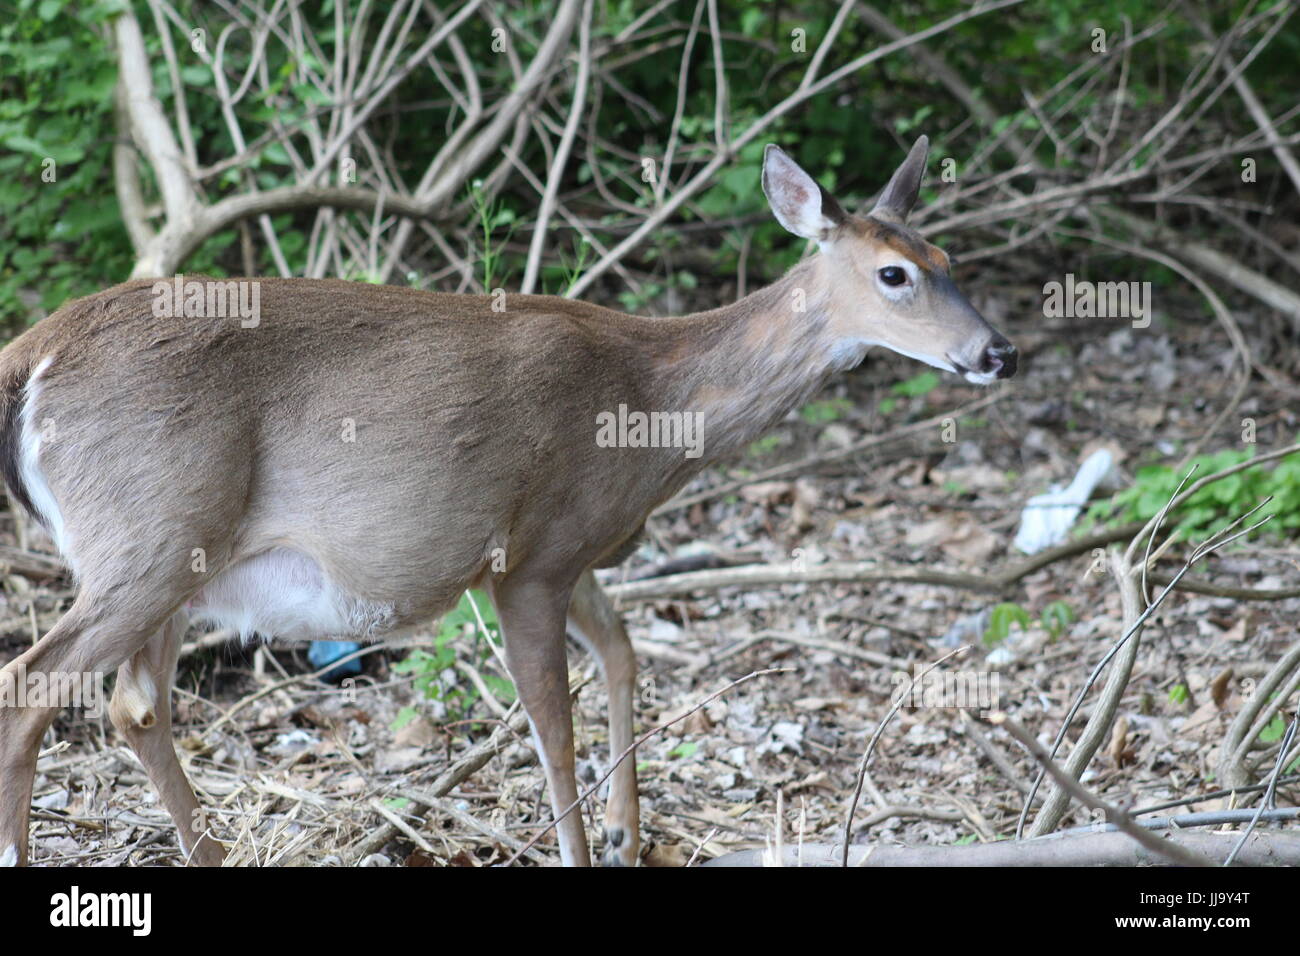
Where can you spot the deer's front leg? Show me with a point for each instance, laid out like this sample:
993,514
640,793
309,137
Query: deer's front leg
596,625
532,625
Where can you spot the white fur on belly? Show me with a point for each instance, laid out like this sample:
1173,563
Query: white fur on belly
284,593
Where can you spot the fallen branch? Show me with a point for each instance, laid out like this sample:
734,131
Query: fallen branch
805,465
862,572
1116,815
462,768
30,564
631,749
1085,849
858,571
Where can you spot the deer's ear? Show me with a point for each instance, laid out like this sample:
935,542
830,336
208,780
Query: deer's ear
799,202
898,198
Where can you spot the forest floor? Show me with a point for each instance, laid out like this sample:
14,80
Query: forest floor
307,773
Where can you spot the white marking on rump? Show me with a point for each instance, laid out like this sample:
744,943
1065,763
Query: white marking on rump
284,593
29,468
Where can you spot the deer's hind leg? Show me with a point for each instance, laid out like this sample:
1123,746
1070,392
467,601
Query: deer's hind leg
96,635
140,511
141,711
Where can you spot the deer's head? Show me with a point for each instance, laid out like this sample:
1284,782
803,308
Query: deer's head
886,285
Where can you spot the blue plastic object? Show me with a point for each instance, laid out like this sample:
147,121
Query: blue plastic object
323,653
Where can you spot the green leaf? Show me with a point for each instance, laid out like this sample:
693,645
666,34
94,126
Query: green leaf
823,411
1056,617
196,74
917,385
1000,621
404,717
1273,731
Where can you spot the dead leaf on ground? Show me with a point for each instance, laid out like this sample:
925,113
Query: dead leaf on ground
1120,751
1220,686
667,854
767,493
957,537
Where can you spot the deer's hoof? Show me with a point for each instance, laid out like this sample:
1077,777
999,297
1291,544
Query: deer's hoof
619,850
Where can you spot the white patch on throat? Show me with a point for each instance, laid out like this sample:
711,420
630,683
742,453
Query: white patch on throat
848,353
860,346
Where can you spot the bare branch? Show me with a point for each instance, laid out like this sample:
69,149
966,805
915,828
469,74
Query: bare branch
149,127
561,152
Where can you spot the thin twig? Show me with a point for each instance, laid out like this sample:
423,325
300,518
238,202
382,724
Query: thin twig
631,748
1116,815
875,738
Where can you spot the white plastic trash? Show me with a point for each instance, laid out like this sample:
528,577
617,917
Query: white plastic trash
1047,518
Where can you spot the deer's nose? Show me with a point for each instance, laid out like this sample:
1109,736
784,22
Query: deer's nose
1000,358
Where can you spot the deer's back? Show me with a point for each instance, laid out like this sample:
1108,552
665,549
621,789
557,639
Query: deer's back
398,438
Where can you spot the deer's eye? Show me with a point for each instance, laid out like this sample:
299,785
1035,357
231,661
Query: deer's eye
892,275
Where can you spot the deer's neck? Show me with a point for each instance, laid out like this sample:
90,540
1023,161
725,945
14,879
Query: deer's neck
744,366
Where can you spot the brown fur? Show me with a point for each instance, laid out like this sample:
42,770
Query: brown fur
193,433
901,240
474,431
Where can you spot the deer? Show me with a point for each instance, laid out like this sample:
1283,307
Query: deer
139,443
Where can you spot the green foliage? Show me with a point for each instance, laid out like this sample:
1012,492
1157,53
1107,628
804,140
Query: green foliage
915,387
824,411
434,671
765,445
1178,694
1216,505
492,215
1000,621
57,71
60,231
569,271
634,301
1055,618
1273,731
